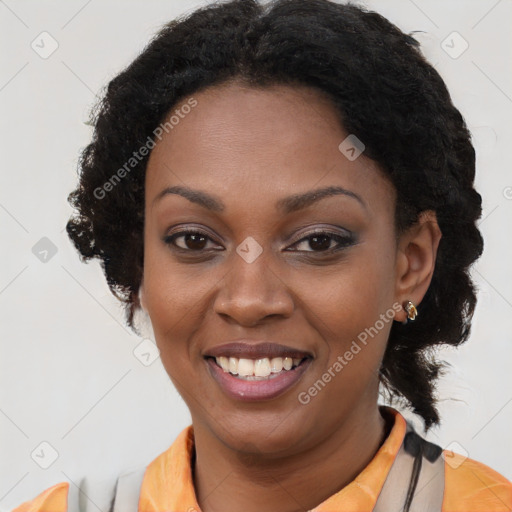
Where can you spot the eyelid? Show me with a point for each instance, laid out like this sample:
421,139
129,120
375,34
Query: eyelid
181,230
169,238
322,231
342,241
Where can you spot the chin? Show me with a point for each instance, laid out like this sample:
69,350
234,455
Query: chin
262,432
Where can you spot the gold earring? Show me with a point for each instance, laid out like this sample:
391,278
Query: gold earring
411,310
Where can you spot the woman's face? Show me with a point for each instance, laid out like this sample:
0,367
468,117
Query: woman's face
268,279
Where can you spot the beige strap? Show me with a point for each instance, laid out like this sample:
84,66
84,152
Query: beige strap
428,495
128,491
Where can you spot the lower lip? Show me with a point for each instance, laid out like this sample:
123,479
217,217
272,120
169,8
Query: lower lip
254,390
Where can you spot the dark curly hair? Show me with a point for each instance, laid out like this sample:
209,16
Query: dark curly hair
385,93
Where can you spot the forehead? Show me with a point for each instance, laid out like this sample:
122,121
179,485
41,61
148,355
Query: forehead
267,142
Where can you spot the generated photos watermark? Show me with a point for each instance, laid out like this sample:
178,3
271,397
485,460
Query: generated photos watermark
304,397
137,156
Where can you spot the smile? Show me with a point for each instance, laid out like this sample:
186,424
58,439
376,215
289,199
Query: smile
257,369
252,387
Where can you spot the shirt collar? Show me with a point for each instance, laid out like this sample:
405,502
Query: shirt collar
168,483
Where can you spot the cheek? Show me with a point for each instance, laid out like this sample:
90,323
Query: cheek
172,298
353,311
356,294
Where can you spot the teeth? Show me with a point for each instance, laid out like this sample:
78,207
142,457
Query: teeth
256,367
262,367
276,364
233,365
245,367
223,362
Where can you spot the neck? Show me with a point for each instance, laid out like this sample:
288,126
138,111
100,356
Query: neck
227,481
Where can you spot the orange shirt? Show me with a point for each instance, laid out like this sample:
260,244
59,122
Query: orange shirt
167,486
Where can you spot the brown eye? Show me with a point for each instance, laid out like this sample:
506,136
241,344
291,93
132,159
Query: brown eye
323,242
193,241
320,242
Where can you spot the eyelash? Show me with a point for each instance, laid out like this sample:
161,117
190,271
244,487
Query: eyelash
343,241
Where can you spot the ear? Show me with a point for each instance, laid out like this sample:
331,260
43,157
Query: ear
415,262
141,296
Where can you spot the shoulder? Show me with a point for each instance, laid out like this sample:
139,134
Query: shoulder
64,497
53,499
472,486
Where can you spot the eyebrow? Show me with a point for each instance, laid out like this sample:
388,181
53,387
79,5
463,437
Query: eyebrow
285,205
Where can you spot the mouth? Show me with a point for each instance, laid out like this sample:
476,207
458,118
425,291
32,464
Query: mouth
257,369
256,372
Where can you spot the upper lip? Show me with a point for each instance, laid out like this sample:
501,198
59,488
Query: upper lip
255,350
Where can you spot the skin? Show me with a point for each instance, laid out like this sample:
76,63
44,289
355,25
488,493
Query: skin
249,148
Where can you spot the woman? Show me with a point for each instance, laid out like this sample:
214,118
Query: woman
287,192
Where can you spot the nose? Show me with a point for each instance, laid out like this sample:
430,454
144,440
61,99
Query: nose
252,292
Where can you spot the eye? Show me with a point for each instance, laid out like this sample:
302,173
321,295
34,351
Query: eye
322,241
193,240
190,240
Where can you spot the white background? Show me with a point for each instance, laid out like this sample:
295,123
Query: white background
68,373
